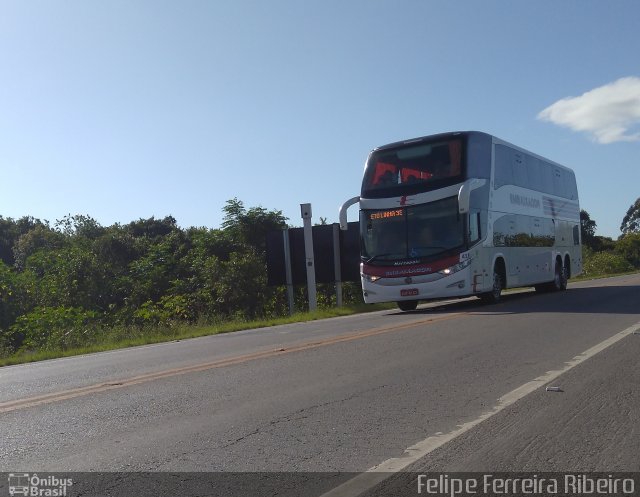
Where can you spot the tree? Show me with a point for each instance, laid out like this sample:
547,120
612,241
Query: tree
629,247
587,230
250,227
604,244
67,285
154,272
11,231
41,237
153,228
631,221
8,297
81,226
71,276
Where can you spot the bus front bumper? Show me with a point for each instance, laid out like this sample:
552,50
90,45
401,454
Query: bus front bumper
431,286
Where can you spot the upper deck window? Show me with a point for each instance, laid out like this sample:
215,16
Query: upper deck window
412,168
513,167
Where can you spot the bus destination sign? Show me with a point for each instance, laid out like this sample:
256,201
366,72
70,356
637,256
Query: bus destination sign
386,214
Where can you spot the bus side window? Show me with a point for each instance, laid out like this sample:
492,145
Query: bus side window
474,226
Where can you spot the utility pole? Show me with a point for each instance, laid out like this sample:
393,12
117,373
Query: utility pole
305,210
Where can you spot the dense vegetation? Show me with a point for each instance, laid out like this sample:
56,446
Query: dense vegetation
603,255
77,283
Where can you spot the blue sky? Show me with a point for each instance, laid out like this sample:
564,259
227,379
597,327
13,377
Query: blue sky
129,109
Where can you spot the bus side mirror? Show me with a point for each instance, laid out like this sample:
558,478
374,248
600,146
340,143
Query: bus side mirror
463,198
343,212
464,194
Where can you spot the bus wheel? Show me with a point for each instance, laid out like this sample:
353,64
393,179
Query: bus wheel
407,305
565,276
560,277
493,297
559,283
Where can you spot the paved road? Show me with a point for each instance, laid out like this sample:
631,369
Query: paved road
347,394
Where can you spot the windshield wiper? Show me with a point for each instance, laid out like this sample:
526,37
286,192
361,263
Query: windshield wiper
371,259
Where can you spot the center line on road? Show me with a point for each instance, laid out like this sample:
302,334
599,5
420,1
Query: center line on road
24,403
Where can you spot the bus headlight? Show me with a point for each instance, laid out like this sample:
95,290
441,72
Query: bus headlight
371,278
454,269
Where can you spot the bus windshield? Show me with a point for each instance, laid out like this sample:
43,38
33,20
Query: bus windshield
424,231
415,167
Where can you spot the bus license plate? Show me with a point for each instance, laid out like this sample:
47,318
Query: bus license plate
408,292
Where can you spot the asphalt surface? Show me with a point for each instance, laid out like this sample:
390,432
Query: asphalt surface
346,394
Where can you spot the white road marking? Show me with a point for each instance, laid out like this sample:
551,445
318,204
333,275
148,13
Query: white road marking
379,473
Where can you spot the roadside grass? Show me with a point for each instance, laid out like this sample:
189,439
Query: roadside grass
580,278
587,277
129,336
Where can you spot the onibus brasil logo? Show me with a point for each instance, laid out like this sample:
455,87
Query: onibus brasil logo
35,486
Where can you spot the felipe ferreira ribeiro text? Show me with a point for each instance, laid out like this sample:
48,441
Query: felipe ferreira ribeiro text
525,485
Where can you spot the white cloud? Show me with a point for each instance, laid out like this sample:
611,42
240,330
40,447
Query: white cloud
609,113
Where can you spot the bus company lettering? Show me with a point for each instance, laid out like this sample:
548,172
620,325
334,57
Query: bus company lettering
406,263
407,271
524,201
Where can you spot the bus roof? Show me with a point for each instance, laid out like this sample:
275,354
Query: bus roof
465,134
436,137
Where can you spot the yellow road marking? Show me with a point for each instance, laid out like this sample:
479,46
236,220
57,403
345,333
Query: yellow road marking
14,405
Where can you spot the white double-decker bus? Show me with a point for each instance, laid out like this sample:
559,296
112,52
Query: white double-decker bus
465,213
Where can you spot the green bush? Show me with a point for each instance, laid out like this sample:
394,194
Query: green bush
169,310
600,263
628,246
47,328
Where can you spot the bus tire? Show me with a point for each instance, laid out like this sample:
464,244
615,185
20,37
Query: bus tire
566,269
559,282
494,296
407,305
